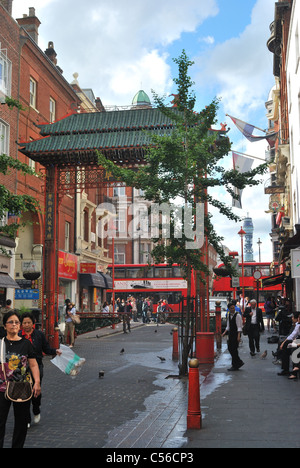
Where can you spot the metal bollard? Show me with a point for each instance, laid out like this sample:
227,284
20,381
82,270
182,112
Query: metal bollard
218,326
175,355
194,417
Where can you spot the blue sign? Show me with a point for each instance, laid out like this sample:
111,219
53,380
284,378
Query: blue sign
31,294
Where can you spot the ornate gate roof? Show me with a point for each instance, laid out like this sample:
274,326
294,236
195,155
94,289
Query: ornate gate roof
121,135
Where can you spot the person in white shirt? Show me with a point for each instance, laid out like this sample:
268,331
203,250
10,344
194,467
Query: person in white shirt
285,351
234,331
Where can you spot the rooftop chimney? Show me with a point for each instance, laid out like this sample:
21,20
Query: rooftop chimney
31,24
99,105
51,54
7,5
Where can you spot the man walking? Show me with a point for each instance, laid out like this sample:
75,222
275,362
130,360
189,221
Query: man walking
254,325
234,330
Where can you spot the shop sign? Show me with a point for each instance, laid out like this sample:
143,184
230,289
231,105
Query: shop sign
90,268
27,294
67,265
31,267
4,264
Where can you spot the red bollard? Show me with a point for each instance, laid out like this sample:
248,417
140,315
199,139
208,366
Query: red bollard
56,338
175,355
218,326
194,417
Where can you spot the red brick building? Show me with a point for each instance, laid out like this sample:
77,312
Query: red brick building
33,78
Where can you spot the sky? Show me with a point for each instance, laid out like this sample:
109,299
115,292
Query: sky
118,47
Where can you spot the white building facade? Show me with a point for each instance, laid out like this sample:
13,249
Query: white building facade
293,85
293,90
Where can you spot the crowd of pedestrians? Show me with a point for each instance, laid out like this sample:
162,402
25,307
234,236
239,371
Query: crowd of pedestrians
280,320
143,308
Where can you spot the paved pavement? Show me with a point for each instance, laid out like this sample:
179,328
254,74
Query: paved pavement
139,404
251,408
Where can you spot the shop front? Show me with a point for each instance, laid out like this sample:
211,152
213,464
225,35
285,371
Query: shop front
67,278
93,286
7,283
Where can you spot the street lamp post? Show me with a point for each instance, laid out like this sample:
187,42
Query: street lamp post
242,233
259,253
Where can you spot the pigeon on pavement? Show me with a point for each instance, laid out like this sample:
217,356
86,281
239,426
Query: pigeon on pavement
264,355
161,358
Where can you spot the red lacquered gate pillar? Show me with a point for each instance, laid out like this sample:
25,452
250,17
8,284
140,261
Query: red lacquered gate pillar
50,272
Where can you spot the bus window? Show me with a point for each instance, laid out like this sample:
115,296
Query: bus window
120,272
135,273
149,273
265,271
177,273
163,272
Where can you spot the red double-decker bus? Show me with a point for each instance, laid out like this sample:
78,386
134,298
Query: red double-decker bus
157,282
269,284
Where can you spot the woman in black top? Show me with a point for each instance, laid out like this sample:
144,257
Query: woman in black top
40,346
20,360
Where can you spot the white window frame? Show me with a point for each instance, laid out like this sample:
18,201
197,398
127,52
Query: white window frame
5,73
121,221
119,192
32,92
120,254
4,137
67,236
52,109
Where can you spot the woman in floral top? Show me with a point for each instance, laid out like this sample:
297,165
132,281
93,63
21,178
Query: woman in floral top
20,361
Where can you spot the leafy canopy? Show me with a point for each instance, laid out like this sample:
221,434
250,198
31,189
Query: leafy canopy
10,203
183,166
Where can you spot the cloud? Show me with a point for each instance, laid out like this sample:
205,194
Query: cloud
240,68
117,46
208,40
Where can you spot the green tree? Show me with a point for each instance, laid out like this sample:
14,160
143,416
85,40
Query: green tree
9,202
183,166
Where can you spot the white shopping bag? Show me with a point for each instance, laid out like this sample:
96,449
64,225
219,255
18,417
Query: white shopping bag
68,362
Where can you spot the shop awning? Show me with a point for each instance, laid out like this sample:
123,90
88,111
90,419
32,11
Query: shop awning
108,280
6,281
273,280
290,244
92,280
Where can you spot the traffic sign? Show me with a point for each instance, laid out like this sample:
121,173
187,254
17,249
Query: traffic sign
257,274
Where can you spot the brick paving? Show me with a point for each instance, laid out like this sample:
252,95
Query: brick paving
125,408
139,404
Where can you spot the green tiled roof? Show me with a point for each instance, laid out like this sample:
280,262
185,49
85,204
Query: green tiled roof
104,131
100,122
121,135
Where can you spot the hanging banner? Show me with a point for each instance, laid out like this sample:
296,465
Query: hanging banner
67,265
